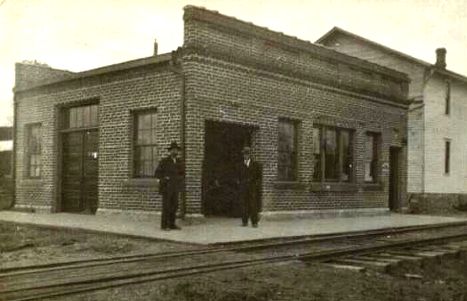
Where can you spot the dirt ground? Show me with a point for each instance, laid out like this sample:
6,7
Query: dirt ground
26,245
442,280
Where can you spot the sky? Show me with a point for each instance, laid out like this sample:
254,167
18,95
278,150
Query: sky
86,34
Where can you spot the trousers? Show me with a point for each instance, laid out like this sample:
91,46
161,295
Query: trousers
169,209
250,207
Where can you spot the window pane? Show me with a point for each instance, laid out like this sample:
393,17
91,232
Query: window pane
94,115
317,154
144,121
87,116
346,168
447,157
73,118
33,150
286,151
79,117
331,155
145,144
369,158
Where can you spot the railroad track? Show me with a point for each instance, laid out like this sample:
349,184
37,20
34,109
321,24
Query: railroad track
60,279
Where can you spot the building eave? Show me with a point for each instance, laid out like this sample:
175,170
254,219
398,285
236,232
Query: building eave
337,30
102,70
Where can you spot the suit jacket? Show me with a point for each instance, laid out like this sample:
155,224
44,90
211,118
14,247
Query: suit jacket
170,174
250,180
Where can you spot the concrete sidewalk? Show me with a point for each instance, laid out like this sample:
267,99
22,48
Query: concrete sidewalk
223,230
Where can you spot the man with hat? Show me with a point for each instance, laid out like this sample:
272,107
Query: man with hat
249,179
170,173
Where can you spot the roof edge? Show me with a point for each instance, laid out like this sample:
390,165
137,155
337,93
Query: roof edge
336,30
103,70
214,17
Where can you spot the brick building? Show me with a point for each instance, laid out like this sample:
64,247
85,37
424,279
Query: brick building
329,129
437,162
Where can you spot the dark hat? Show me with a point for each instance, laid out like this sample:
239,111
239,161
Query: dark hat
246,149
173,145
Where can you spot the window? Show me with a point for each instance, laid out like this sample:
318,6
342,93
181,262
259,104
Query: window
371,157
33,152
287,165
333,156
81,117
448,98
447,155
145,152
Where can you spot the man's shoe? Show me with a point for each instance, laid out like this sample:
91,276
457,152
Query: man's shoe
165,229
175,228
255,225
244,224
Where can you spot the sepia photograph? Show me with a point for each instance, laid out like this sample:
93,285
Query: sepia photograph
214,150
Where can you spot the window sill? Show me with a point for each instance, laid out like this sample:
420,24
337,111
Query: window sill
333,186
32,180
141,182
372,186
289,185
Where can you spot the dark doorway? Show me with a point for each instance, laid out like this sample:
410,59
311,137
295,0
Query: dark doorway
394,178
222,154
79,171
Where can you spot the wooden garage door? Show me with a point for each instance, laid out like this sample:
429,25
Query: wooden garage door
79,171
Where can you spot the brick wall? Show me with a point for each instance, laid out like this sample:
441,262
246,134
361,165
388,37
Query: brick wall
30,74
230,78
118,94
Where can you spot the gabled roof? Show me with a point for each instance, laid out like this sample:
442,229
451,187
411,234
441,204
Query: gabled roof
336,30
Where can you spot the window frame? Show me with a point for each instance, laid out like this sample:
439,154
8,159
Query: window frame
340,154
295,124
136,165
29,152
447,156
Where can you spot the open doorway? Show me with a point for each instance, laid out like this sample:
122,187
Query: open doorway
222,153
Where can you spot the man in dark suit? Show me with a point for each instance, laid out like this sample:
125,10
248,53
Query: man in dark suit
170,173
249,179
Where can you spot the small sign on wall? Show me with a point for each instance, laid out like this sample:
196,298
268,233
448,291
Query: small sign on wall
385,168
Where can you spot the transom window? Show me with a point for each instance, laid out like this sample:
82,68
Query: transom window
333,155
287,150
33,151
81,117
145,148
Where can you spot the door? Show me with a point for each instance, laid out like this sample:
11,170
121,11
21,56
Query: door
222,154
79,171
394,178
